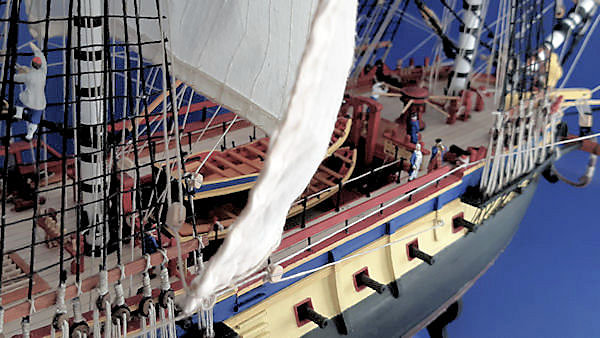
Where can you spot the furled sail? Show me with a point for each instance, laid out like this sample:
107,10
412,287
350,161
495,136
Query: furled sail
242,54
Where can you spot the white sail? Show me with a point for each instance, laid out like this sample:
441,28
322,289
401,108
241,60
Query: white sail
282,64
295,152
242,54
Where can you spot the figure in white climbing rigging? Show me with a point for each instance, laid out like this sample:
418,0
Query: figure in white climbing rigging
32,100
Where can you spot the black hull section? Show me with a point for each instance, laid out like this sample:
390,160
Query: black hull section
427,290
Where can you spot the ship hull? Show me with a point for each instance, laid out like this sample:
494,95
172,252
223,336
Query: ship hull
426,291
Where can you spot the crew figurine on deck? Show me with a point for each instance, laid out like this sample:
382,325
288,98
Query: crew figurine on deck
437,154
415,162
378,89
32,100
413,129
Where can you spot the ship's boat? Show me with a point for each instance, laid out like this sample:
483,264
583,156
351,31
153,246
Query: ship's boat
272,168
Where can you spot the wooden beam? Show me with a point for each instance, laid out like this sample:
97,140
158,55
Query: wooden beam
251,148
330,172
219,158
215,169
264,141
406,107
443,97
343,158
323,180
577,103
437,108
244,160
392,94
139,265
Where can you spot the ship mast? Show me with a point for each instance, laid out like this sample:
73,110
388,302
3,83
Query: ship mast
467,43
87,60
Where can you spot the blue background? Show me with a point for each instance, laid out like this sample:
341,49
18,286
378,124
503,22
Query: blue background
546,282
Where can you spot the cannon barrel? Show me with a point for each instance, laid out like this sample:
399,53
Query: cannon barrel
461,222
414,252
367,281
306,312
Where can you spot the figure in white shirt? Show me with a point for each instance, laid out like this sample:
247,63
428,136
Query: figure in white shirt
378,89
415,162
32,100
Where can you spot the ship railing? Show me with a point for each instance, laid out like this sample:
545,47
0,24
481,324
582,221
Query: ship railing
188,134
354,179
407,190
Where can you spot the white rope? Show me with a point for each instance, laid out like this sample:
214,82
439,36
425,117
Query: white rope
216,144
307,272
164,332
248,277
376,211
241,281
31,306
206,127
96,317
152,321
171,317
65,328
25,327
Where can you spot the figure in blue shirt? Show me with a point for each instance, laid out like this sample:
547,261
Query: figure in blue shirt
413,129
415,162
150,243
437,154
32,100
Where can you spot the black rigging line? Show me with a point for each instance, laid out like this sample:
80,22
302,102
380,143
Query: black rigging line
369,13
381,18
148,124
8,85
36,178
67,94
571,48
82,216
450,49
458,18
462,23
130,105
109,215
406,2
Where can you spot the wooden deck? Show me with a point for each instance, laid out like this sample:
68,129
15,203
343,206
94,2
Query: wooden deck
18,239
474,132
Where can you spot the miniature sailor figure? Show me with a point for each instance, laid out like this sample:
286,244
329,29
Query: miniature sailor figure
150,243
378,89
415,162
33,98
413,129
437,154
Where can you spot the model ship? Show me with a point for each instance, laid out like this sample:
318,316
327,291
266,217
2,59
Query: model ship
255,169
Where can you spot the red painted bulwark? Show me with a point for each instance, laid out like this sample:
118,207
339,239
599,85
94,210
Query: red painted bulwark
371,203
